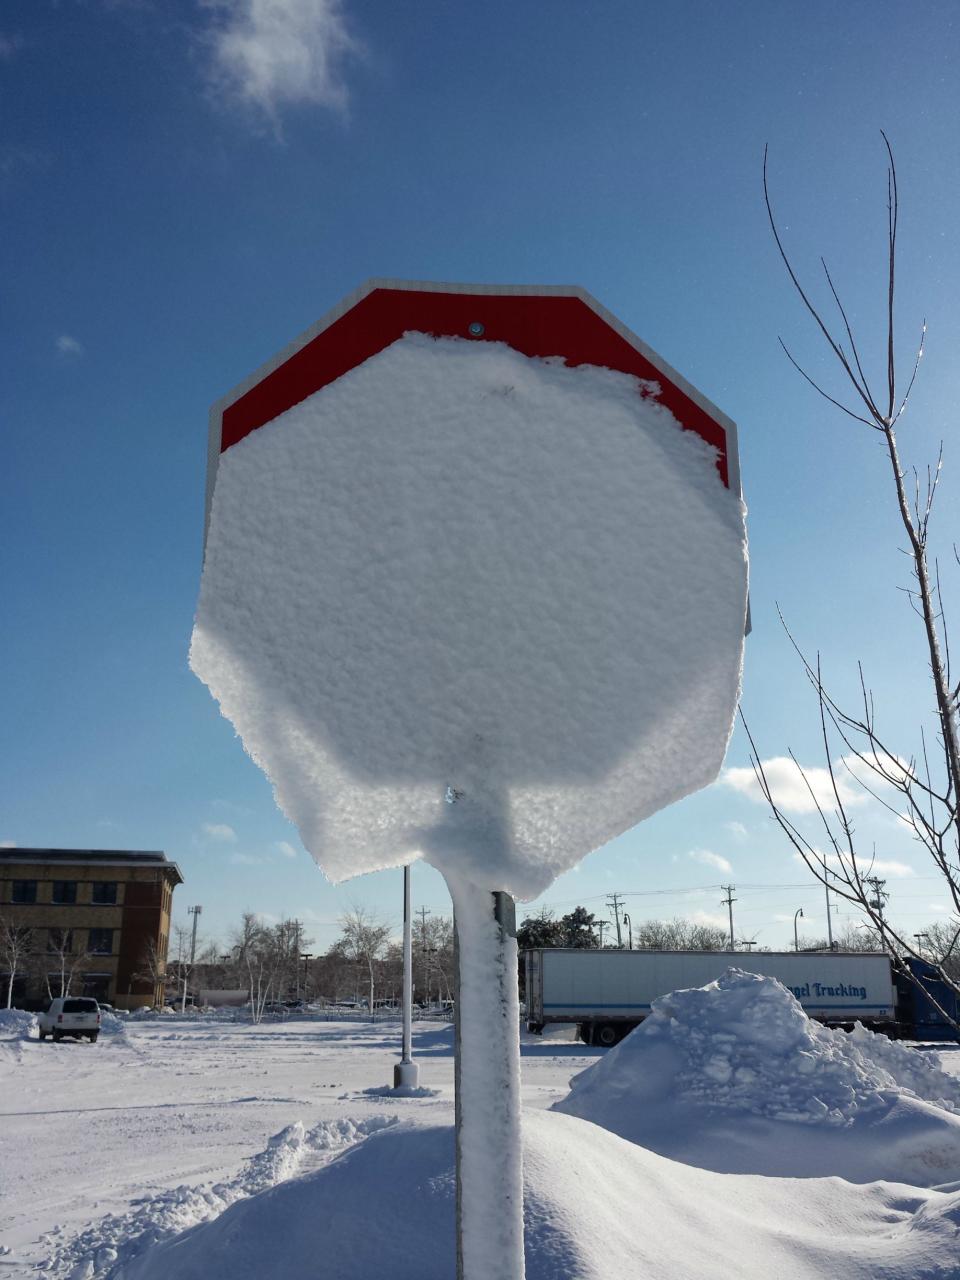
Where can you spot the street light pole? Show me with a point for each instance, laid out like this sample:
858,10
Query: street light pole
406,1072
629,923
796,938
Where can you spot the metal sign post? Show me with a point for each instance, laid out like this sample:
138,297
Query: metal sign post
487,1091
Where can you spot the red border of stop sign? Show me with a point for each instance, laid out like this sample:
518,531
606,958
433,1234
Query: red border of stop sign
536,320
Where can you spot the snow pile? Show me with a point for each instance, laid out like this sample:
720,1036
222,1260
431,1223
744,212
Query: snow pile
476,606
107,1247
110,1024
16,1024
595,1207
908,1067
733,1076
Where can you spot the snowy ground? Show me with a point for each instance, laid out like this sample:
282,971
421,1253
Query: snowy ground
274,1146
89,1130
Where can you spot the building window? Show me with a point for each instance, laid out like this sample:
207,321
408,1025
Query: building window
64,891
104,893
96,985
100,942
60,941
24,891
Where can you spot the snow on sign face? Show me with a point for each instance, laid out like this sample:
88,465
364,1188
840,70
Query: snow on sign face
472,604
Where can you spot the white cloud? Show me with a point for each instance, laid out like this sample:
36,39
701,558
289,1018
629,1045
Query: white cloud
890,867
736,829
68,346
245,859
707,918
286,848
875,867
710,859
272,53
218,831
8,844
790,792
896,768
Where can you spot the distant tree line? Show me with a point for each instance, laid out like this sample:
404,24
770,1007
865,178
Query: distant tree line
275,963
580,928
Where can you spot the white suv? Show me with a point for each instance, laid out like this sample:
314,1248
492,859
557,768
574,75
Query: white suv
71,1016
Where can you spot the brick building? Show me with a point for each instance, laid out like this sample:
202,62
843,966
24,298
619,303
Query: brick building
99,922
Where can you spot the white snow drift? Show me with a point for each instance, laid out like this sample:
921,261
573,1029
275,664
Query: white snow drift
476,606
596,1206
734,1077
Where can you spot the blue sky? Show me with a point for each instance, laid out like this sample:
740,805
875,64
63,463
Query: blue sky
185,185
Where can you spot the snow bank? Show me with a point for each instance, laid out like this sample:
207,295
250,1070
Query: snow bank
16,1024
734,1077
110,1024
476,606
108,1247
908,1067
595,1207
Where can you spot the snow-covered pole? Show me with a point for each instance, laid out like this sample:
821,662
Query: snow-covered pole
406,1072
487,1021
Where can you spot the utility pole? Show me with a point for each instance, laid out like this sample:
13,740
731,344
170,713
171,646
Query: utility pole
601,925
730,900
826,890
920,937
425,953
195,912
614,903
880,895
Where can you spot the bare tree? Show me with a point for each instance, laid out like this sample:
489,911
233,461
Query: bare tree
259,960
922,790
153,966
854,937
433,957
938,941
364,939
16,944
679,935
58,963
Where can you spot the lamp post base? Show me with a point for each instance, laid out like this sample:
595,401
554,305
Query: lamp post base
406,1075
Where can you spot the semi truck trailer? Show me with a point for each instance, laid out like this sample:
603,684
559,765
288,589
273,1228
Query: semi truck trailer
607,993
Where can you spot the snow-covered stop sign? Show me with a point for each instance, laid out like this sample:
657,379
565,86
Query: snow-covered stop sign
474,588
475,581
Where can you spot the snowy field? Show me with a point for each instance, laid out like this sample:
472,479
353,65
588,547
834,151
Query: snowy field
278,1151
